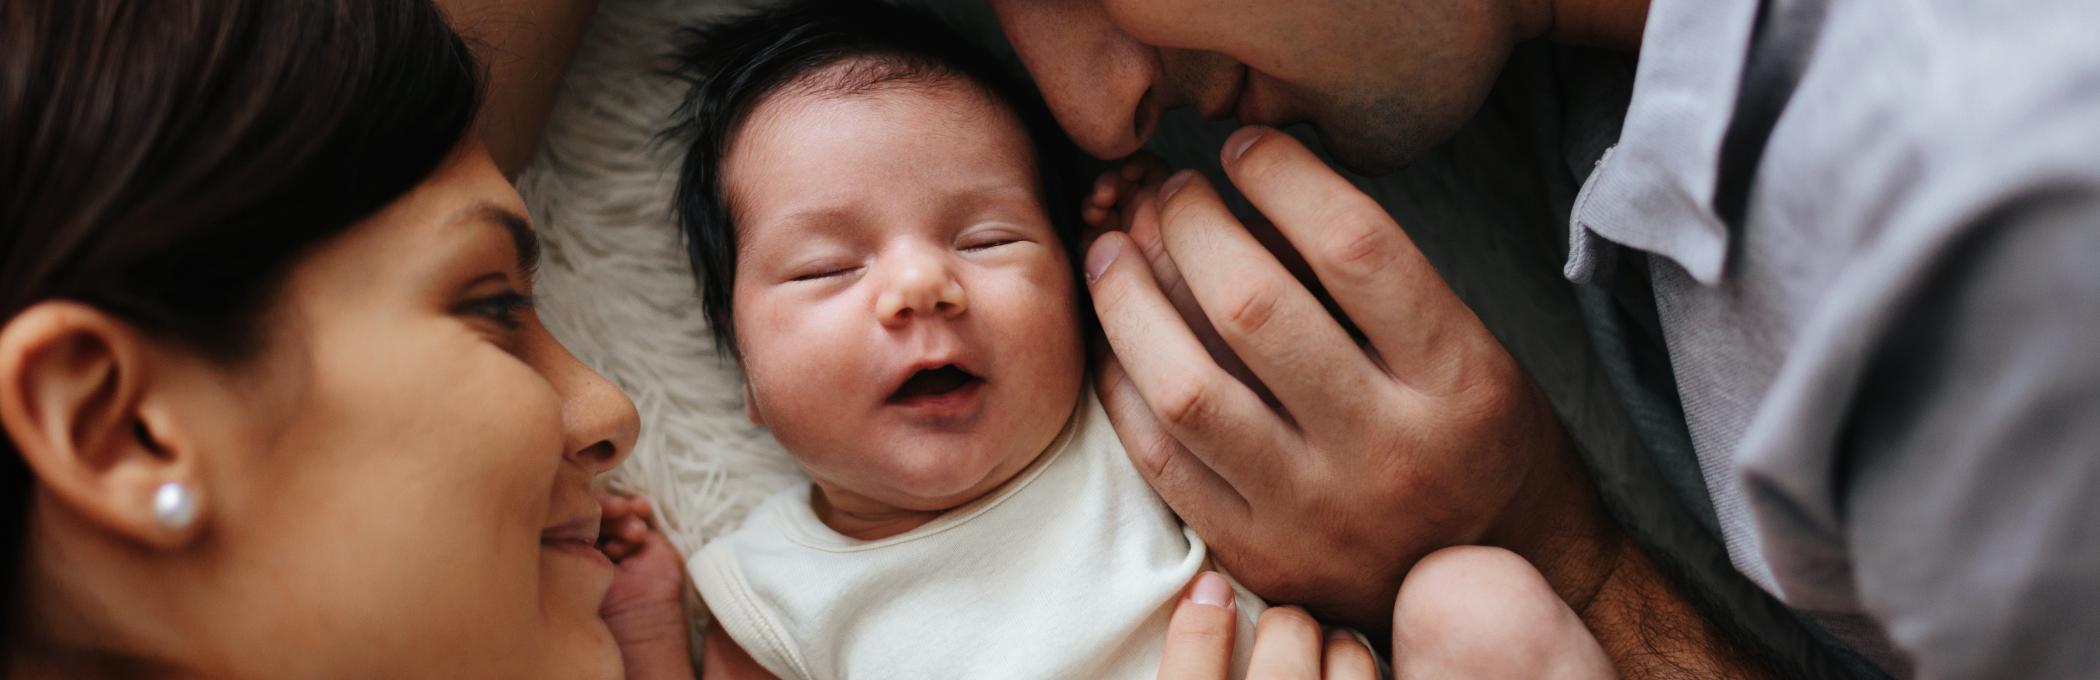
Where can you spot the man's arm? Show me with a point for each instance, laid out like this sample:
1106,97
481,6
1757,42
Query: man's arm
525,44
1973,502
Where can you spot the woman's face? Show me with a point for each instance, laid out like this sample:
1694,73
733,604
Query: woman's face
400,483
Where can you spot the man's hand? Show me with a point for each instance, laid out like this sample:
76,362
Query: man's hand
1287,643
1370,454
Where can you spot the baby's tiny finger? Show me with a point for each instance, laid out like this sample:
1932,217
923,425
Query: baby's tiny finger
617,550
1105,190
1094,215
633,529
644,509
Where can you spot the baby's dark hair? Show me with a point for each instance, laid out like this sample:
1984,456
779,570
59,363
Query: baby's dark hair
736,64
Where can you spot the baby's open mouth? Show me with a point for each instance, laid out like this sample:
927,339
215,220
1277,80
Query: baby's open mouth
934,382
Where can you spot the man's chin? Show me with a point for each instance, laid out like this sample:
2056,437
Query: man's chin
1366,156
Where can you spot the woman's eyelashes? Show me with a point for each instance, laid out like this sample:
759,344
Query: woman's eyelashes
507,309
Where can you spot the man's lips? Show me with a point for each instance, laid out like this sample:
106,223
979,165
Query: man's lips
1227,100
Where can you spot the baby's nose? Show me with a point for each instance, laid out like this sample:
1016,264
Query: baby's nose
920,288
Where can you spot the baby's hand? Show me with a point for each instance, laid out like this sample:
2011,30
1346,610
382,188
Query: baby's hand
1126,198
645,607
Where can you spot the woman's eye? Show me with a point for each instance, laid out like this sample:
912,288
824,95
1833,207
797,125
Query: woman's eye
506,309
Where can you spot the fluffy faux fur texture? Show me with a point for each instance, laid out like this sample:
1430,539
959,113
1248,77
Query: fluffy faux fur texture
615,286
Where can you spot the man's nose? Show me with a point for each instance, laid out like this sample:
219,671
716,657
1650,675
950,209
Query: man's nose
1098,81
919,285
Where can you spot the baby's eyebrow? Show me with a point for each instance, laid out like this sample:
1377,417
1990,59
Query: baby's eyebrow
815,220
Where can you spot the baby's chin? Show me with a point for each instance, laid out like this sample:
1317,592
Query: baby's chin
927,482
933,476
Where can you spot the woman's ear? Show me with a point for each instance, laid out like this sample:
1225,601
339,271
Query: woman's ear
751,406
72,381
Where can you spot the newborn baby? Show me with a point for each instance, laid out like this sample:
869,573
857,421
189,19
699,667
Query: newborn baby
868,208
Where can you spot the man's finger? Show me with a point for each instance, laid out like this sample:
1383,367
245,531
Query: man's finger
1274,324
1198,403
1286,646
1195,492
1144,231
1364,260
1346,658
1199,634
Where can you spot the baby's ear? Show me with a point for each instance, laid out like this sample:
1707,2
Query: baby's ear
751,406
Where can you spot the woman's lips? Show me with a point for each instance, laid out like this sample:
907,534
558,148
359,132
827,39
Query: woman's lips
578,538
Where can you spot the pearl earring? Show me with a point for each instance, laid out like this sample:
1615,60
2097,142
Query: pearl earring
174,506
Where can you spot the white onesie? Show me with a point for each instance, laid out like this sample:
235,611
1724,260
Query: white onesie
1070,570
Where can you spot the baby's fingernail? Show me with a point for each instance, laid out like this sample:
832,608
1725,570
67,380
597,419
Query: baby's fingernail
1237,144
1103,254
1174,184
1212,590
1340,635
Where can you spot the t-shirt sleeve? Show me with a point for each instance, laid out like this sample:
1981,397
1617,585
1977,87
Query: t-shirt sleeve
1970,491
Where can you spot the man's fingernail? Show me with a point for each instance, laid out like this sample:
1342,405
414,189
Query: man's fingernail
1237,144
1212,590
1174,184
1102,254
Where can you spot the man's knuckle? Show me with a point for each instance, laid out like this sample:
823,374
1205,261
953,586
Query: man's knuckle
1110,291
1201,637
1176,210
1186,405
1174,471
1251,310
1153,246
1358,253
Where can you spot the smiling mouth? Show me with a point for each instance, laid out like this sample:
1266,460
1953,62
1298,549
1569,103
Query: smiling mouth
934,383
579,538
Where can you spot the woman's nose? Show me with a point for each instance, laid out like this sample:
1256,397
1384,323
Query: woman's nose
919,286
599,422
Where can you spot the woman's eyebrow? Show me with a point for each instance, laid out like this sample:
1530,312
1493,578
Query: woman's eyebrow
522,238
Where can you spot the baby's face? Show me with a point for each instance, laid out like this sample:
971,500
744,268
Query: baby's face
905,310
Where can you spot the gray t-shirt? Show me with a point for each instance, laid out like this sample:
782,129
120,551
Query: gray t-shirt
1886,357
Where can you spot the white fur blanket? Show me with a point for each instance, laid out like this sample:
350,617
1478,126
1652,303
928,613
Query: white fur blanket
615,286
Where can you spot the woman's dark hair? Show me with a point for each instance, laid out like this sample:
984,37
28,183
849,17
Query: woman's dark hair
168,161
735,64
